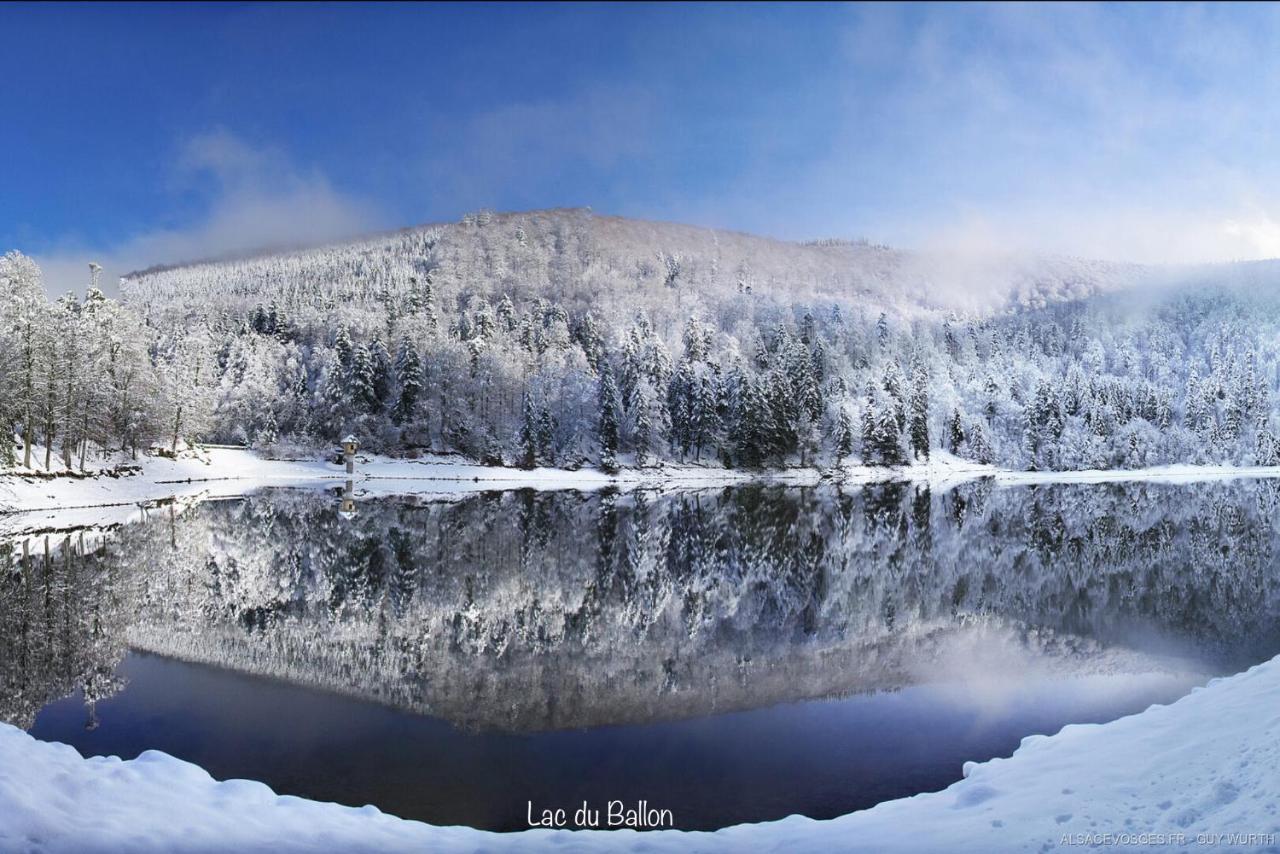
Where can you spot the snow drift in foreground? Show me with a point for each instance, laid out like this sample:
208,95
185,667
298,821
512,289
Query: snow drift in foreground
1202,768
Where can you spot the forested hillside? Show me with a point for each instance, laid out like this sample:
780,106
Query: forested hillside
565,338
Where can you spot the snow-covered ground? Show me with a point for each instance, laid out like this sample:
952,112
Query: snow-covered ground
1176,777
46,501
222,472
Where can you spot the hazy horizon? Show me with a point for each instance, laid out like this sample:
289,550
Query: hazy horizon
1121,133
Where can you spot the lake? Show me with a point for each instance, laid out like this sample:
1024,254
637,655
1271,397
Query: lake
732,655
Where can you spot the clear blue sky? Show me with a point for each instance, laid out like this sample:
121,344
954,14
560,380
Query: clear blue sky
143,134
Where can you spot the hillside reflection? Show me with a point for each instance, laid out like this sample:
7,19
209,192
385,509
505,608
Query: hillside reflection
528,611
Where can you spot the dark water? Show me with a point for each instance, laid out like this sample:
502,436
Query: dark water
732,655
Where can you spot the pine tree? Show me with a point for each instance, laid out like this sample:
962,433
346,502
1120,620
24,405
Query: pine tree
706,411
484,325
409,371
697,340
346,353
643,431
335,398
955,432
746,415
783,415
979,446
506,314
887,441
380,360
546,435
363,380
844,434
867,431
429,304
1266,449
528,438
610,412
591,341
894,384
680,394
919,421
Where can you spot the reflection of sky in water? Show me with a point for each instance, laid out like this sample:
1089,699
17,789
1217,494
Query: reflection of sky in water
557,647
821,758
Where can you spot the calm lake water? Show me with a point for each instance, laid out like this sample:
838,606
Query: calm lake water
731,655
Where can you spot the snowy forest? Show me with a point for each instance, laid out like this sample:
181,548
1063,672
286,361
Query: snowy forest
570,339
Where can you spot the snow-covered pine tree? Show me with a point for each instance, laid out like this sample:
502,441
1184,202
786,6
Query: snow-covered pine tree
844,438
528,439
919,418
409,377
955,432
610,414
364,390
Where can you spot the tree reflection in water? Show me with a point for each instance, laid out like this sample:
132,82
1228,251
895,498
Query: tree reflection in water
528,611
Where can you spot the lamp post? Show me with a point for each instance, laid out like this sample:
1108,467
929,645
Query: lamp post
347,506
349,448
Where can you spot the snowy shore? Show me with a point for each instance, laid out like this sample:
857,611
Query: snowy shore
1178,777
226,472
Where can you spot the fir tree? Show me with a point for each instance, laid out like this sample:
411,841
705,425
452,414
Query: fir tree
919,421
844,434
380,361
363,389
955,432
546,429
506,314
409,371
528,438
978,445
610,412
344,350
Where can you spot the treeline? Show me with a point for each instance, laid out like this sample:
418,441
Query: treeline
78,377
534,341
759,384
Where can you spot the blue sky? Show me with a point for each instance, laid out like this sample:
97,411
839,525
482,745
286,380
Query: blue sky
148,134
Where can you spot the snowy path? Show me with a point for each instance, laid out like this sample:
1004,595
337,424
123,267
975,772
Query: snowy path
1202,766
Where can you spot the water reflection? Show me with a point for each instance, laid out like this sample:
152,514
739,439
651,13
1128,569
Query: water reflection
525,611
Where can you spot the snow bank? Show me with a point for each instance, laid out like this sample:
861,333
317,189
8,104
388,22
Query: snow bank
1201,768
1180,473
224,472
227,472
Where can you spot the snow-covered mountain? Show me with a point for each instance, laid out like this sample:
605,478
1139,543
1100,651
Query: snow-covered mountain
562,337
577,255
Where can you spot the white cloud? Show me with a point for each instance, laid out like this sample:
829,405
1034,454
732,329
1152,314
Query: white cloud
257,199
1125,133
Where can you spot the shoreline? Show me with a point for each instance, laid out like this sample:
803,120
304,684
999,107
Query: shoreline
228,472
